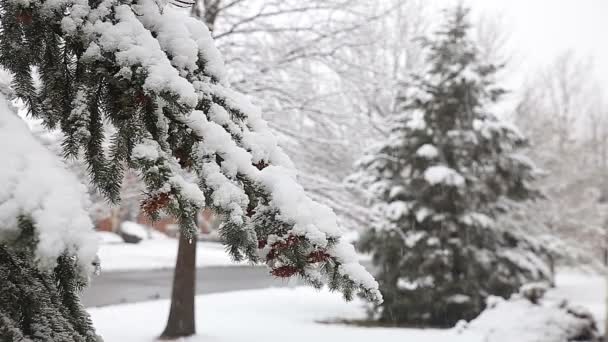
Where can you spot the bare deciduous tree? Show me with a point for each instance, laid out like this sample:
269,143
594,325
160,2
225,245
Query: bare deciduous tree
561,111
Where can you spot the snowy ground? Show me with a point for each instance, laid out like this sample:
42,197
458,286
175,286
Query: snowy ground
585,290
259,315
292,314
157,254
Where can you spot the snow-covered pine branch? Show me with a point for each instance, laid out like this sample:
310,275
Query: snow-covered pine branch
47,243
153,73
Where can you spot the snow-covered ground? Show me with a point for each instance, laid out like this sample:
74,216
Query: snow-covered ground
269,315
157,254
586,290
293,314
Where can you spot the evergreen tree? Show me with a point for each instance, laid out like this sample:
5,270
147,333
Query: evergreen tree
448,168
144,81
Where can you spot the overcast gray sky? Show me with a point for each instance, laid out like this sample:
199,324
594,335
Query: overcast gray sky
541,29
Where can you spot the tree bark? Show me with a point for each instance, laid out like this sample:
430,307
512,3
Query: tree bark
605,339
181,315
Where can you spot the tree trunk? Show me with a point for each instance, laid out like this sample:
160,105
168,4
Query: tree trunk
606,298
181,315
552,270
606,319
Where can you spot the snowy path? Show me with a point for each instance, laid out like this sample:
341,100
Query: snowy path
135,286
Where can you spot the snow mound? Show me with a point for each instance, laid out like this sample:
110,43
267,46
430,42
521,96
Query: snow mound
35,184
134,229
518,319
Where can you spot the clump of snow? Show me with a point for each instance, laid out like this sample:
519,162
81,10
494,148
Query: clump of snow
406,284
397,209
146,151
257,136
187,39
226,194
395,191
476,218
427,151
440,174
458,298
34,183
134,46
411,237
423,213
416,121
132,43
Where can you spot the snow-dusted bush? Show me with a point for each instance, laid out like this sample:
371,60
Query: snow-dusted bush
520,319
133,232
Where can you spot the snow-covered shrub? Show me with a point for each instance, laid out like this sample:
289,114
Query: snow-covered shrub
133,232
520,319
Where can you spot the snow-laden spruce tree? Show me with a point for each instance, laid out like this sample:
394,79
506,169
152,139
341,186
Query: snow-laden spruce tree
447,168
140,84
47,243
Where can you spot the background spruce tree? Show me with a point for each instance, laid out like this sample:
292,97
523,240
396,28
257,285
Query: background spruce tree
139,84
447,169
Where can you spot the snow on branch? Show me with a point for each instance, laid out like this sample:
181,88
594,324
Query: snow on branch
37,187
